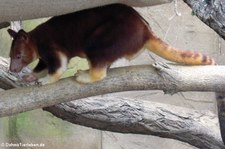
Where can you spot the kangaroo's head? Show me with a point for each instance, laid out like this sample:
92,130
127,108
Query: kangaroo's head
23,50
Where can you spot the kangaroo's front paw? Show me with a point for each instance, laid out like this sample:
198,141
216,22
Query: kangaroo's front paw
29,78
49,79
83,77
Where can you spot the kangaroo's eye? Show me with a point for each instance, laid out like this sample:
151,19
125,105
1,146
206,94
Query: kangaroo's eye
18,56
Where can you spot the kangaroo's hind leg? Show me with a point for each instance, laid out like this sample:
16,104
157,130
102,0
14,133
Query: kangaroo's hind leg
95,73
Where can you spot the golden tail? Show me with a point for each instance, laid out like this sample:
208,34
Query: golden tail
162,49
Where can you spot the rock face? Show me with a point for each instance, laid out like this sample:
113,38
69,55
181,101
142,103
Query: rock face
185,32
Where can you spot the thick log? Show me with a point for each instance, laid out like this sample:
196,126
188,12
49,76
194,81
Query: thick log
198,128
14,10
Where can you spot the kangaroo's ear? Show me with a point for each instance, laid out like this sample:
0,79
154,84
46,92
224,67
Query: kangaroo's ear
12,33
23,35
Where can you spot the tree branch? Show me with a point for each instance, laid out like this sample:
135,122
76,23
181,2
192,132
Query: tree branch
211,12
119,114
124,115
36,9
159,77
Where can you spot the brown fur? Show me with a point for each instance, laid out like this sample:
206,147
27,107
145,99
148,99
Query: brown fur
102,35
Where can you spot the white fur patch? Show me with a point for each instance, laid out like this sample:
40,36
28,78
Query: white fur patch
56,76
64,61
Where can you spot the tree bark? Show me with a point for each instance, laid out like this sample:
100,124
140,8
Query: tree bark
211,12
30,9
124,115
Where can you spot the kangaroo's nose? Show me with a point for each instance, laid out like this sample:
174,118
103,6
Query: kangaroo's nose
12,69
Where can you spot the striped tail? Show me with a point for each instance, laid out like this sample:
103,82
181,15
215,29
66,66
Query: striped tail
164,50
